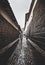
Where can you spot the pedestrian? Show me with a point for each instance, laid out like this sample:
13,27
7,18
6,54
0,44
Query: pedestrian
21,36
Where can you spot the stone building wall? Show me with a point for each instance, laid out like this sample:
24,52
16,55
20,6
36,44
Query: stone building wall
8,24
7,33
37,24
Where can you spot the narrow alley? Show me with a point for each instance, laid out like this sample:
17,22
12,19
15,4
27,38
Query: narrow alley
22,45
20,56
23,54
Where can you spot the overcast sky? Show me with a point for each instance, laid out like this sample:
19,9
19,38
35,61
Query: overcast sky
20,7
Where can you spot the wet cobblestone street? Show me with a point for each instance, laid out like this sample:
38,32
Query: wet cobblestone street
22,55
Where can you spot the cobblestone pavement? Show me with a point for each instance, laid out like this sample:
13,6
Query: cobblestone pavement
22,55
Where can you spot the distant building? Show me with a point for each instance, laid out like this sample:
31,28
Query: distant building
27,15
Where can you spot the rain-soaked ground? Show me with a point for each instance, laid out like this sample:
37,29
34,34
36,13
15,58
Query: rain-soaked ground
22,55
25,54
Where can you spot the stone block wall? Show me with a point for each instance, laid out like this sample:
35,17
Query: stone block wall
37,24
7,33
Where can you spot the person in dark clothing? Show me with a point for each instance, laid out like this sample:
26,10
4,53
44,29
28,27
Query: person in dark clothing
21,36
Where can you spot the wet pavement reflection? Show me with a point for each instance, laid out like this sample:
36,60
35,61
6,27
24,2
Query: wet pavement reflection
22,55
